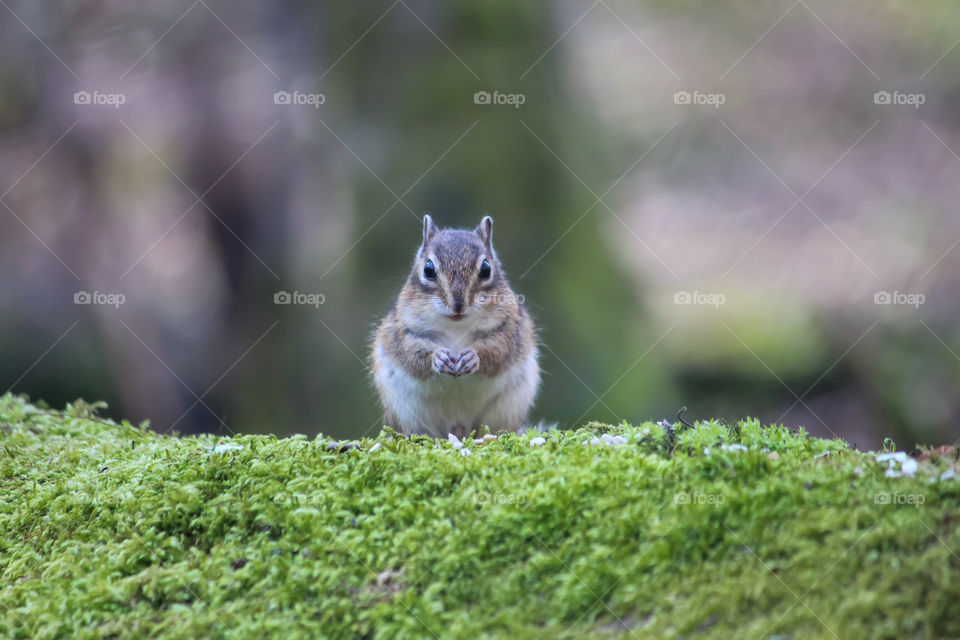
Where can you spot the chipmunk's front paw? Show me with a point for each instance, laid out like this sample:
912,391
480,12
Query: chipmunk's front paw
444,362
469,362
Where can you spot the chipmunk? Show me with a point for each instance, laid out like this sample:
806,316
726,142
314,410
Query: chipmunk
458,350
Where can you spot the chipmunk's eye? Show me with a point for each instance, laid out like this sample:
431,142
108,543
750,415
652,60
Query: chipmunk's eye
484,270
429,270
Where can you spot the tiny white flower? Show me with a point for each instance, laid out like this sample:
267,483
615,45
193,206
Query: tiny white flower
478,441
375,447
892,473
909,467
454,441
947,475
225,446
706,451
618,440
898,456
733,447
465,452
595,442
490,437
539,441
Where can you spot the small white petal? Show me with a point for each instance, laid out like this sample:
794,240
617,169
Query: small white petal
226,446
594,442
375,447
454,441
909,467
539,441
947,475
892,473
465,452
899,456
618,440
706,451
736,447
478,441
490,437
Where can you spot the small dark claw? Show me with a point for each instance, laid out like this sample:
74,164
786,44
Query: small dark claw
444,362
468,362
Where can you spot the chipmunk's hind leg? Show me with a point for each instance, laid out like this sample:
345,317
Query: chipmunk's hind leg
459,430
391,420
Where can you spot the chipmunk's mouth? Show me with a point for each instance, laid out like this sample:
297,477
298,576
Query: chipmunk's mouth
457,317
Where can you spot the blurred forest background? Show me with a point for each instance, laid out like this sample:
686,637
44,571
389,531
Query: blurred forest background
145,152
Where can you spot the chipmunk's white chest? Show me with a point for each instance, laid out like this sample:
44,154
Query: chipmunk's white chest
444,404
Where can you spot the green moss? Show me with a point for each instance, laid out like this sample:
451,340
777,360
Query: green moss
112,530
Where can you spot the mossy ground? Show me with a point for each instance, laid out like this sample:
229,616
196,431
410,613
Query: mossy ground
114,531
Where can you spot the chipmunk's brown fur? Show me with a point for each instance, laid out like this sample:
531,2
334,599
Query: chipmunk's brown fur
457,351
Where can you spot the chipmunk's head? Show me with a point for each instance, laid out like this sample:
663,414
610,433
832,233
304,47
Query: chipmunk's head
457,275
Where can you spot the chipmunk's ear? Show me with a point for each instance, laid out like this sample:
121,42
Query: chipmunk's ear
485,231
429,230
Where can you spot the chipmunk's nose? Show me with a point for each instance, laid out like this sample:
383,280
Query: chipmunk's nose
458,303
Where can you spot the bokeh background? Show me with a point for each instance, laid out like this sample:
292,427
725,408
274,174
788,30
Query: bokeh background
703,204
